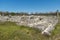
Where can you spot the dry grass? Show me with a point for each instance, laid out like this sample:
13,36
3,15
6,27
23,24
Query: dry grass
11,31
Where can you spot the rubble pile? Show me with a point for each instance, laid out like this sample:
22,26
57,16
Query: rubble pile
44,23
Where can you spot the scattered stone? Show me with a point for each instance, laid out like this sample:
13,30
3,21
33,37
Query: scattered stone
44,23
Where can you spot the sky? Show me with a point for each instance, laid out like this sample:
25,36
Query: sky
29,5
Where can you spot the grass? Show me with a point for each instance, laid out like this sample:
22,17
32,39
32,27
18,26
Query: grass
56,32
11,31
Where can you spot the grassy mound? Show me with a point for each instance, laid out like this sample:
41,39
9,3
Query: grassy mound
11,31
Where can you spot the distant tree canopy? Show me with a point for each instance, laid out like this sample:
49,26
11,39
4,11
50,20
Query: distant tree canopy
25,13
12,13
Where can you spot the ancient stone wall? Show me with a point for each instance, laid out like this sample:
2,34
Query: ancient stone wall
43,23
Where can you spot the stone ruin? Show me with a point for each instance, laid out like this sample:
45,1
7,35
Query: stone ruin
44,23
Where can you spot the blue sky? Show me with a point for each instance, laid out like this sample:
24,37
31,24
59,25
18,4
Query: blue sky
29,5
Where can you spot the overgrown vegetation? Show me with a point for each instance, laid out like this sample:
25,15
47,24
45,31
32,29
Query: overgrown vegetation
11,31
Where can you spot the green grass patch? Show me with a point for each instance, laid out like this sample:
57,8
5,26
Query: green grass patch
11,31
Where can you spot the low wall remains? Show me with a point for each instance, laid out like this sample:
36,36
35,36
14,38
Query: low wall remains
44,23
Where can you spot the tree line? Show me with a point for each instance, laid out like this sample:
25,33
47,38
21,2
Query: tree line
25,13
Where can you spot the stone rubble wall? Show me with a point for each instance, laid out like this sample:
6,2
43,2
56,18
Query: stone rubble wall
43,23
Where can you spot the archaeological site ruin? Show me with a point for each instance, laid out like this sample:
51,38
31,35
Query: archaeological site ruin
44,23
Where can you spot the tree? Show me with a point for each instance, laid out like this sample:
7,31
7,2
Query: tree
12,13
